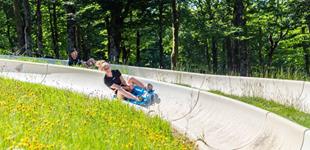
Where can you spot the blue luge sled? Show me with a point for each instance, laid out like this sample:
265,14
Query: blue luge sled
147,96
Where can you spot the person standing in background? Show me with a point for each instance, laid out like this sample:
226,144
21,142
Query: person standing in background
74,58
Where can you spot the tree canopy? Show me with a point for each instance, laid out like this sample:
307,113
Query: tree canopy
243,37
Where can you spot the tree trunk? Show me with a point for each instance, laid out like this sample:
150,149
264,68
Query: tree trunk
260,55
19,24
55,39
244,64
116,24
207,55
240,45
27,28
228,54
107,25
175,34
125,52
84,44
54,29
70,26
214,54
260,51
8,34
272,48
305,48
39,29
223,57
118,12
270,55
161,49
235,56
78,38
138,37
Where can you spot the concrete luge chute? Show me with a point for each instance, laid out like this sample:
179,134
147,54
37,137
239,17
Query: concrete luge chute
214,122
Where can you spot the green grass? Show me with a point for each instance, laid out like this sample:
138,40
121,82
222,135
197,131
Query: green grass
32,60
288,112
58,62
34,116
283,72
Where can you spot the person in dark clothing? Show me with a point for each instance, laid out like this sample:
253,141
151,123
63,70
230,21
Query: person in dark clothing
74,58
114,80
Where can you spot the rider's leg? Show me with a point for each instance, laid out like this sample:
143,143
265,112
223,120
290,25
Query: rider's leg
134,81
121,93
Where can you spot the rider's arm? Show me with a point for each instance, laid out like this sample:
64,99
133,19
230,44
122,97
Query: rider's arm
123,81
116,87
124,92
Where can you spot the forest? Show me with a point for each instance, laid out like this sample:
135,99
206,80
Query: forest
264,38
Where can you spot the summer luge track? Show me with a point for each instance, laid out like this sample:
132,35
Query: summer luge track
215,122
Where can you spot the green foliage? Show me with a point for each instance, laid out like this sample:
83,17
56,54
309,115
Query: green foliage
4,52
32,60
281,24
33,116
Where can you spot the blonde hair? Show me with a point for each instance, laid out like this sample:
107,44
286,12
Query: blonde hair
101,64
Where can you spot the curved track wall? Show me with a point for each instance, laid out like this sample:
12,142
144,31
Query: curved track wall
213,121
288,92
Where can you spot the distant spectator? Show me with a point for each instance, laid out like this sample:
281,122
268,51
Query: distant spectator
74,58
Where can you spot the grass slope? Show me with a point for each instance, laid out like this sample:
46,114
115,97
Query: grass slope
33,116
288,112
